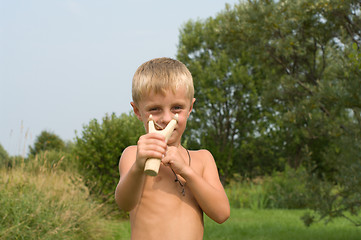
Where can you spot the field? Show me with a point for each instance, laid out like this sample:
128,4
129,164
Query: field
41,200
246,224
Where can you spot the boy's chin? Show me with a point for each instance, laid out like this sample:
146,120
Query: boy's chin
173,140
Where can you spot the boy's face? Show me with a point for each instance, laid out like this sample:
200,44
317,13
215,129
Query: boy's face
163,107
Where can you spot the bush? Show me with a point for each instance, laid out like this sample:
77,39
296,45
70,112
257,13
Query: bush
7,161
287,189
4,157
47,141
46,204
99,148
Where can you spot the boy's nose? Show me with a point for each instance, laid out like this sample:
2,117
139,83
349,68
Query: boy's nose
167,117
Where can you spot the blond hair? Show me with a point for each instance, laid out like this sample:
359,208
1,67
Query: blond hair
159,75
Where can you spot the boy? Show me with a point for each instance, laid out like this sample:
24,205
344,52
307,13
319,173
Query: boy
171,204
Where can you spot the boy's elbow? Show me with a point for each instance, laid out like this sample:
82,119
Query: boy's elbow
125,208
122,205
223,216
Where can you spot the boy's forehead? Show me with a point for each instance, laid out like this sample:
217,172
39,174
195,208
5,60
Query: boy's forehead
153,96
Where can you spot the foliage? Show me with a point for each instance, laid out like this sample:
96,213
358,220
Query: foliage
4,156
279,82
228,117
47,141
343,199
99,148
288,189
38,202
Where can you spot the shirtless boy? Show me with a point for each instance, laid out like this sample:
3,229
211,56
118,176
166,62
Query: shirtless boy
160,207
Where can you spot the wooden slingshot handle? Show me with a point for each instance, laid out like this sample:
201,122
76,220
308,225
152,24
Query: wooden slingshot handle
152,164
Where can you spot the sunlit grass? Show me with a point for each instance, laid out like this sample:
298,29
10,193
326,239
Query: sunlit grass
38,202
278,224
41,198
247,224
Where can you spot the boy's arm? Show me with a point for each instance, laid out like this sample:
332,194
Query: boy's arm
129,188
131,168
208,189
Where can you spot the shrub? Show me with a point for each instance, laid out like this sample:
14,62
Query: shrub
3,154
4,157
287,189
47,141
99,148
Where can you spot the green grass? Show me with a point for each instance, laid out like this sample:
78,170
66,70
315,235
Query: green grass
119,229
43,199
41,203
277,224
246,224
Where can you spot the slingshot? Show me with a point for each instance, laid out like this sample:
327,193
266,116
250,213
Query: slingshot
152,164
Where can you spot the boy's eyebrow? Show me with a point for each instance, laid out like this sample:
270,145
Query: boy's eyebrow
152,105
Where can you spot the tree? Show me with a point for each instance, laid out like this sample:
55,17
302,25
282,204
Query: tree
47,141
99,148
298,98
228,118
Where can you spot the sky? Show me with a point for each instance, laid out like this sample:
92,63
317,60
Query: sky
66,62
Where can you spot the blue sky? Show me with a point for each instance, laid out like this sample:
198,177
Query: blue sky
65,62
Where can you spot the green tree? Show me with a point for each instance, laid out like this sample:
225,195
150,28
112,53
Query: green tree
228,117
99,148
47,141
298,96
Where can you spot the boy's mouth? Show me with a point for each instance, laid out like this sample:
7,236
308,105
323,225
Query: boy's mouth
158,127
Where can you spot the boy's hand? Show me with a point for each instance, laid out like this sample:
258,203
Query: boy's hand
174,159
150,145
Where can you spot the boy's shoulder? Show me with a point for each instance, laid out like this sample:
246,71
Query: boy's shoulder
202,155
128,154
130,148
202,152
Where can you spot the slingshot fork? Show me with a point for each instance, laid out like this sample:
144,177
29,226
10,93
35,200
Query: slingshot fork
152,164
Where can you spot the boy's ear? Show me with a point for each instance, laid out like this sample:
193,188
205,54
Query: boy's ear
191,107
136,110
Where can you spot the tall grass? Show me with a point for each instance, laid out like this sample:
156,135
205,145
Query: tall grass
286,190
39,200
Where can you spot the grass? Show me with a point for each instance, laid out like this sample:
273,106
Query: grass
41,203
119,229
43,199
249,224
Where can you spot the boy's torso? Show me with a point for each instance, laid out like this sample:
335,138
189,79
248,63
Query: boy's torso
164,212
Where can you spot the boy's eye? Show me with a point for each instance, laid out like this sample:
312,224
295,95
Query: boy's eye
177,108
153,109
